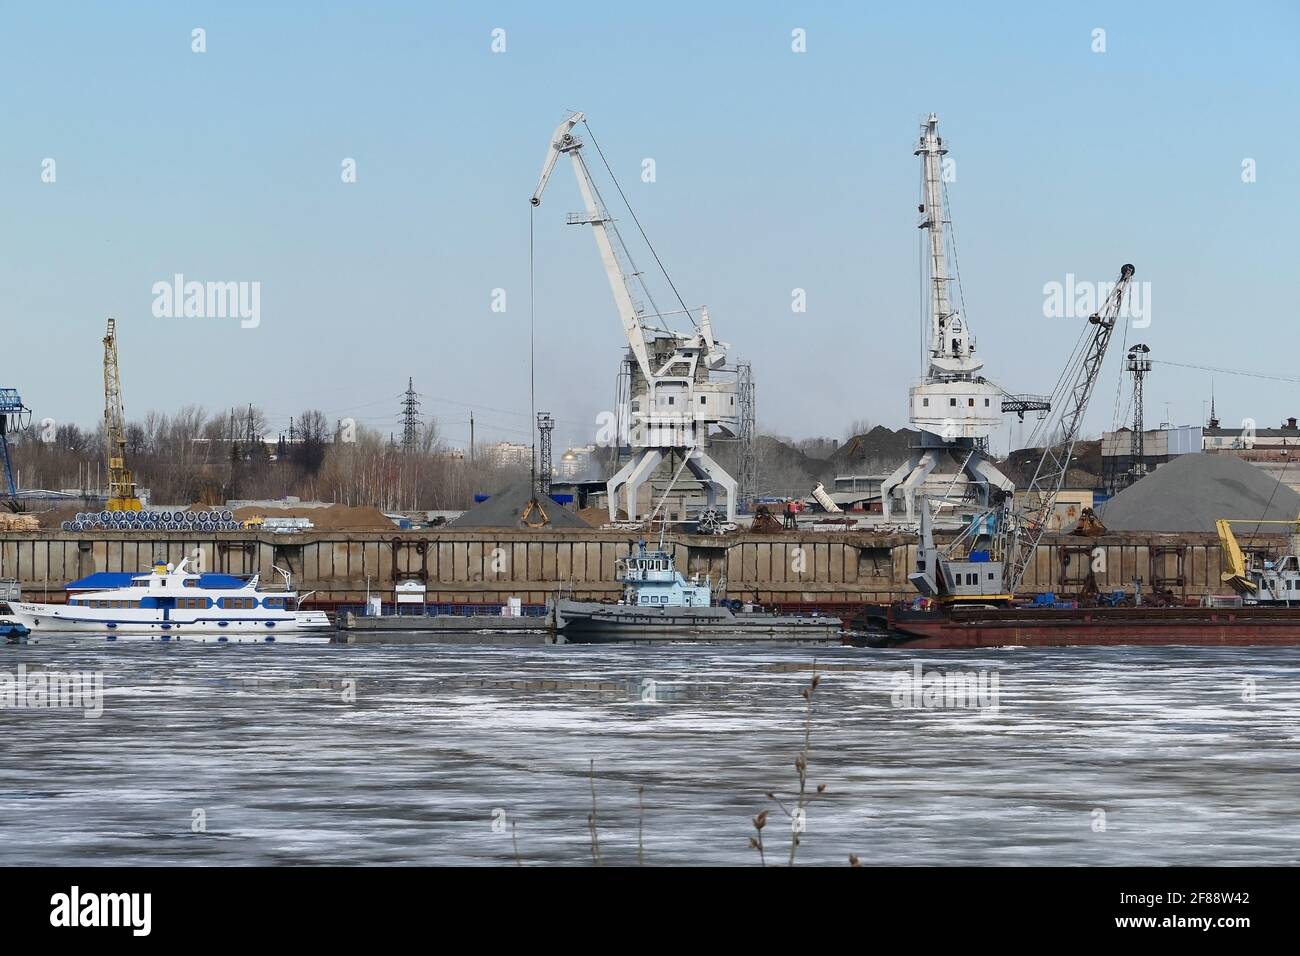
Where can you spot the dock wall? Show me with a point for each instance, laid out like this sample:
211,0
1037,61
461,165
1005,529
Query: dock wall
490,566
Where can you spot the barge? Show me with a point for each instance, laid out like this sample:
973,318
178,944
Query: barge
966,627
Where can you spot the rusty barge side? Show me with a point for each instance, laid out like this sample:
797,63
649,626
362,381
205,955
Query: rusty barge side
1102,626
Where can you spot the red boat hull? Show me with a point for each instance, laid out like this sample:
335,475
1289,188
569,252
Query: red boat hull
1050,627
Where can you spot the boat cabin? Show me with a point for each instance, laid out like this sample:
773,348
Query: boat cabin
651,579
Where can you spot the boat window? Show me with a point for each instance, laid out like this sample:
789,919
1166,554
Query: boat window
192,583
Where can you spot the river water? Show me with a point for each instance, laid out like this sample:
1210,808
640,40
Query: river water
373,754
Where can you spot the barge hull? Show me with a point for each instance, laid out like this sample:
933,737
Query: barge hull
582,622
1196,626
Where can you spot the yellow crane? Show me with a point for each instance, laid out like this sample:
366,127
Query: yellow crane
121,483
1237,574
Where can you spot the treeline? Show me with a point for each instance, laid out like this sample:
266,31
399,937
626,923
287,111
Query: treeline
193,456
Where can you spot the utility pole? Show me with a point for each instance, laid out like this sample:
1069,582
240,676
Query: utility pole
410,417
471,437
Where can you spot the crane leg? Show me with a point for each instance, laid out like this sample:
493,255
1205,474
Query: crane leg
714,478
630,478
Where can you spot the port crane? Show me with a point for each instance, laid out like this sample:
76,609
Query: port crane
672,403
13,415
954,407
121,482
987,562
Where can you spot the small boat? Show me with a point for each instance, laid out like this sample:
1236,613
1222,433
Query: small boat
12,630
659,604
172,603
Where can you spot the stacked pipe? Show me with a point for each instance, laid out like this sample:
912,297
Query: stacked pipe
188,522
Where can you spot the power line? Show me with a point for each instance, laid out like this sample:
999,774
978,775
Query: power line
1229,371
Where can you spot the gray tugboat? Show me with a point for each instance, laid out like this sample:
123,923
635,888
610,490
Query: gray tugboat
659,604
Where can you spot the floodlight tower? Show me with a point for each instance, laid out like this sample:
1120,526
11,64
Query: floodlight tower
953,407
545,425
1138,365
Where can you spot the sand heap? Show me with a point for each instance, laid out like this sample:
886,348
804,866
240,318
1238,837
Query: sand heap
1192,491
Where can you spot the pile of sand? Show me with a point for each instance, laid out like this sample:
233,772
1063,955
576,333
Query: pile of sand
596,517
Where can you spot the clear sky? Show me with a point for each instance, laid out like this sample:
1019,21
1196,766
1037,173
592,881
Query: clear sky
775,170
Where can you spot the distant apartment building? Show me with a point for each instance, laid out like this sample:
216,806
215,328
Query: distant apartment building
508,453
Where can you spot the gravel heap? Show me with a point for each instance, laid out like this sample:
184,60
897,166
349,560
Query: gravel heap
1192,491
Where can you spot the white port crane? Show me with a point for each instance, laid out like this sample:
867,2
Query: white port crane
954,407
670,408
988,561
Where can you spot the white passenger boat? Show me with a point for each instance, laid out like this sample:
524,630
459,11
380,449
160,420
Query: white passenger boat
172,603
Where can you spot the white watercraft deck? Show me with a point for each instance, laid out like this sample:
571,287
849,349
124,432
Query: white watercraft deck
172,603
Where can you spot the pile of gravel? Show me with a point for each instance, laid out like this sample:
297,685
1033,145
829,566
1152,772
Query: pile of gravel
1192,491
506,508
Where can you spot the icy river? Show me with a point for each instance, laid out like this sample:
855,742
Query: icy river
371,754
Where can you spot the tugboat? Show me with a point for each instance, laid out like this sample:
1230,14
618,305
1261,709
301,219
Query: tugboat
173,603
659,604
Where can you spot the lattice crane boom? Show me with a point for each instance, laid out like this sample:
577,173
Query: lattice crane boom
121,482
1049,476
563,141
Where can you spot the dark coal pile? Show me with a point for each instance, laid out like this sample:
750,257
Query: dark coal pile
878,452
506,508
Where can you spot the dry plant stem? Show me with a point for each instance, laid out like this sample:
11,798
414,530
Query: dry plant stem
591,818
801,764
756,841
641,820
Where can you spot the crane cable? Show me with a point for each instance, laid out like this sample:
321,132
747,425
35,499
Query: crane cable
601,153
532,351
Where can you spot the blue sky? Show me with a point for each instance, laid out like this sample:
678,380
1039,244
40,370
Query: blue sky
775,171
